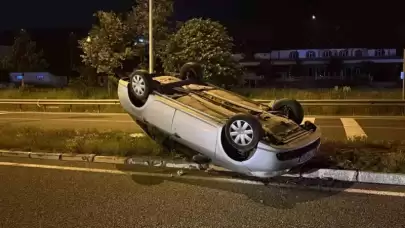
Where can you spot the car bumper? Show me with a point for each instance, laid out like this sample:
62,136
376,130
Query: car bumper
269,162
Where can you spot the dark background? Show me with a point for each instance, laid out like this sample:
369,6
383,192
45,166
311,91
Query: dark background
256,25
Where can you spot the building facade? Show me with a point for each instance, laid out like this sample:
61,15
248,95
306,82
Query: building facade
321,64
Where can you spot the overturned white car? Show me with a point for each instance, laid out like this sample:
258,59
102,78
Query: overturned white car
229,130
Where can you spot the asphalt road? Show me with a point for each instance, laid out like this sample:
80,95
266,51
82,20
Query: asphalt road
53,197
375,128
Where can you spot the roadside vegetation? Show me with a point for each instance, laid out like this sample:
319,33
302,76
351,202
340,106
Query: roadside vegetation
363,154
359,154
74,141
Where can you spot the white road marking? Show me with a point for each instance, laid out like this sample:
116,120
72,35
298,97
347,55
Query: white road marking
352,128
217,179
312,120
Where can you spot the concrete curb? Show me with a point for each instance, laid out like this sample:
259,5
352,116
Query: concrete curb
47,156
110,159
340,175
336,174
78,157
20,154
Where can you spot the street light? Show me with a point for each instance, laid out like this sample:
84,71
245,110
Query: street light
150,36
313,17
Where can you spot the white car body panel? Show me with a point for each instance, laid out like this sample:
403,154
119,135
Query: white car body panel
160,114
202,133
196,133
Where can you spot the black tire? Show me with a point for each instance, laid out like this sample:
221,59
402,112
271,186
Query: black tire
191,71
292,109
136,80
253,126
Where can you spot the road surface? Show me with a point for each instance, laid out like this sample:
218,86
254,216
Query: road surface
375,128
48,196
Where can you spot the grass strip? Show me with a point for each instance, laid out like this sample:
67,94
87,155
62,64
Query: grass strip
359,154
363,154
73,141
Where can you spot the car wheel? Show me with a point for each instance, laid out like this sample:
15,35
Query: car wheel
140,85
191,71
292,109
243,132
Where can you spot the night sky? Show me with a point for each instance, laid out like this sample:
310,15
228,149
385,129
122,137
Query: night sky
264,24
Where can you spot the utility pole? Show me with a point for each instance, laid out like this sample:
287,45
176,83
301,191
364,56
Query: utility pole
151,37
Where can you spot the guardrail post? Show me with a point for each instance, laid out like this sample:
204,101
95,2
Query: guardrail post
98,108
20,105
44,108
70,108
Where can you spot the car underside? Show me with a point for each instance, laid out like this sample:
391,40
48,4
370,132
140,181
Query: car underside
278,129
222,126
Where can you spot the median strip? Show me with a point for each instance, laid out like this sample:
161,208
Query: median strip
357,160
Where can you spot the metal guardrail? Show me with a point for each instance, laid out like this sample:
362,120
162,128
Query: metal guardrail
61,101
69,102
331,102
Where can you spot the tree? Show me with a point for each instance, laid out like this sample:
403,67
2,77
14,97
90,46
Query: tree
25,56
114,39
107,43
208,43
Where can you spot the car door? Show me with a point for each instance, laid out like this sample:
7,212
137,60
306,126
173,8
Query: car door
194,132
159,114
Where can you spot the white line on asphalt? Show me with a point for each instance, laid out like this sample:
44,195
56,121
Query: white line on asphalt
217,179
312,120
352,128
